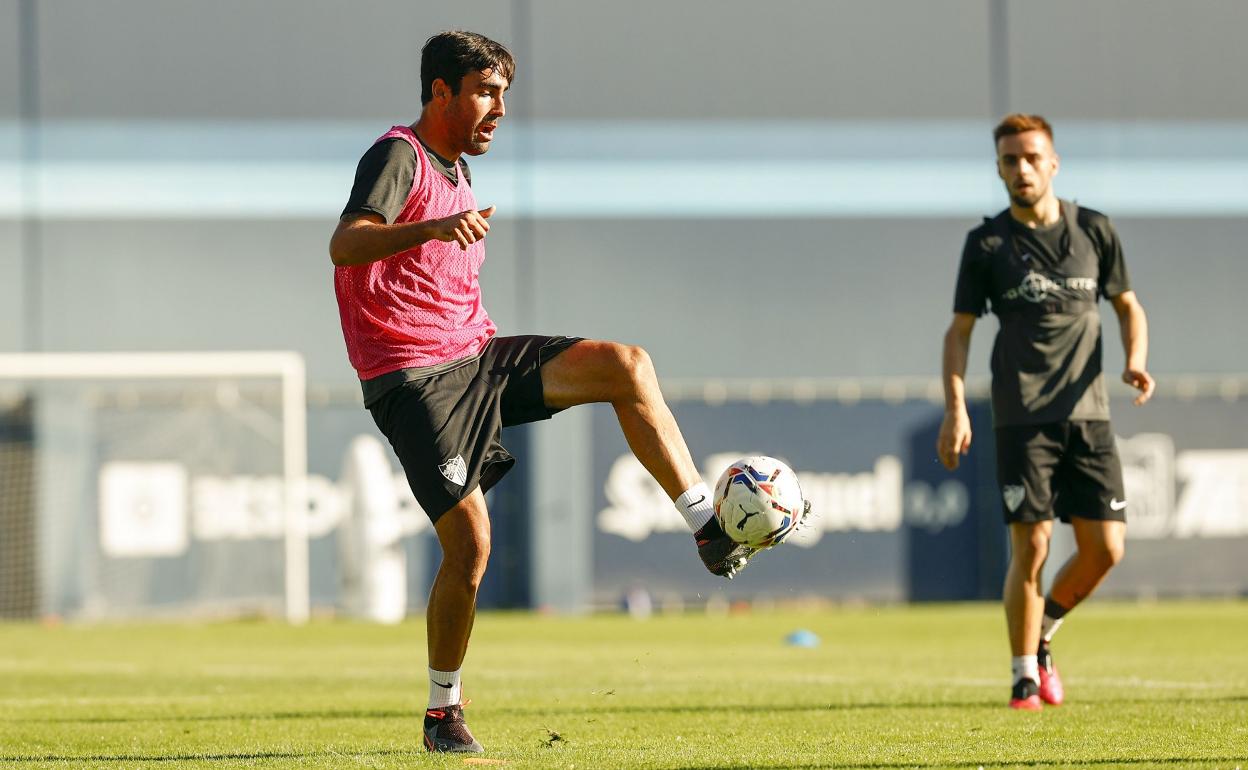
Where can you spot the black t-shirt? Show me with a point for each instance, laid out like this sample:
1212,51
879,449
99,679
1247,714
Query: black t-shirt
384,177
1043,284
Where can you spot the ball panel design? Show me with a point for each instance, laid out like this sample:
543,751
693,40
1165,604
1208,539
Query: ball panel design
758,501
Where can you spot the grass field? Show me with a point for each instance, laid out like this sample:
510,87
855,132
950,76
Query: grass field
1155,685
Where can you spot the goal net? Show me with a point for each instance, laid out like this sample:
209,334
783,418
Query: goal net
153,484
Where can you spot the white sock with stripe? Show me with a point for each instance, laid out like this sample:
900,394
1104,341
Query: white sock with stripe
695,506
444,688
1048,627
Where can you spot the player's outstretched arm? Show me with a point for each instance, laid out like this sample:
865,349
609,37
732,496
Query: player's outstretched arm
1133,325
365,238
955,429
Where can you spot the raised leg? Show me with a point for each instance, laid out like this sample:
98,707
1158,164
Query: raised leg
623,376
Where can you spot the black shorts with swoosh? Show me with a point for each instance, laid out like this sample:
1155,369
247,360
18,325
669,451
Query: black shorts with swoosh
1064,469
446,429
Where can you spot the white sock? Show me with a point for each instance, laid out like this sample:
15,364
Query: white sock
695,506
1025,667
1048,627
444,689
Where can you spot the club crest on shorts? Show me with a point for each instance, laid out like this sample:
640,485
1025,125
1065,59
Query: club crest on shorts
455,470
1013,494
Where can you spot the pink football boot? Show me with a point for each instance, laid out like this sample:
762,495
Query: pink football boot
1051,691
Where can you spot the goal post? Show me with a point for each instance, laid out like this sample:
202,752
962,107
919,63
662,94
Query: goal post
213,397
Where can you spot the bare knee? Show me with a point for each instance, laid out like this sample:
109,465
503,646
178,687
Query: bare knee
1116,553
1101,544
1029,552
1106,555
464,564
1028,566
634,369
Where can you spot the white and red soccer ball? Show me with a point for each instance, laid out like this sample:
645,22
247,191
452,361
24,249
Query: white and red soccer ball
758,501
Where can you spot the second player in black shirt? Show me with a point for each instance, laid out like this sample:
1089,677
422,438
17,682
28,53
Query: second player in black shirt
1041,266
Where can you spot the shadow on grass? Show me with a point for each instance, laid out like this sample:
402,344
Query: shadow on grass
601,708
266,755
1047,763
207,757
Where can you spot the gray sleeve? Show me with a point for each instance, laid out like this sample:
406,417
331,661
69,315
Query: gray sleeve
383,180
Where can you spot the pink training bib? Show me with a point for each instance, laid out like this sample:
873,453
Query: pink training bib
422,306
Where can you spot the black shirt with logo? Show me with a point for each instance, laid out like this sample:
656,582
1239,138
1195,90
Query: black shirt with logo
1043,284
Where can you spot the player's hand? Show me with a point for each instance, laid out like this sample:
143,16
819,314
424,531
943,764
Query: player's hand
466,227
1141,381
954,439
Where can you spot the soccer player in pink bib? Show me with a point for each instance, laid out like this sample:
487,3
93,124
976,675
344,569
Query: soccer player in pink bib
440,385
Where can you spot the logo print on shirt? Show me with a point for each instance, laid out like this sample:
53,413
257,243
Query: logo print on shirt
455,470
1035,287
1013,494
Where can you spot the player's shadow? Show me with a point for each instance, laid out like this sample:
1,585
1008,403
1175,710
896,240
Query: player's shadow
571,709
275,715
160,759
357,755
1143,761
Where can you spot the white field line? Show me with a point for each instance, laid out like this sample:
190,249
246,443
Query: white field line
26,667
666,679
165,700
240,670
102,700
1154,684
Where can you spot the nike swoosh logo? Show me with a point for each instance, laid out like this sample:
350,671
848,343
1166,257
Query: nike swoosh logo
698,501
1117,505
444,686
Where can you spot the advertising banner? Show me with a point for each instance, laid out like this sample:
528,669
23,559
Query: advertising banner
890,523
850,459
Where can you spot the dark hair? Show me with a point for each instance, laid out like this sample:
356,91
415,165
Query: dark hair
453,54
1018,123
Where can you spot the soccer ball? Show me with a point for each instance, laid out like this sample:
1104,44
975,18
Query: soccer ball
758,501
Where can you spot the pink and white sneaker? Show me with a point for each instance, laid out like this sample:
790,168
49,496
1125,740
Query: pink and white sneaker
1051,691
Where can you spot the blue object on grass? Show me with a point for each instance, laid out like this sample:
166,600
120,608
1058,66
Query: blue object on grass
802,638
